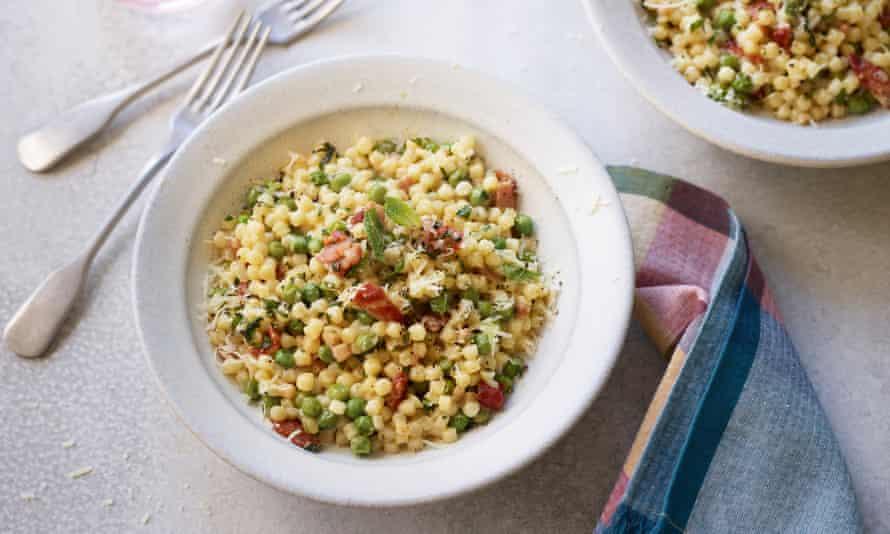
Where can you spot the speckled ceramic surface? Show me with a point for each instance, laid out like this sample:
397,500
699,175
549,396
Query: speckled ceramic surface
582,231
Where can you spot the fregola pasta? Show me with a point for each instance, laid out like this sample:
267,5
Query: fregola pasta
801,60
381,299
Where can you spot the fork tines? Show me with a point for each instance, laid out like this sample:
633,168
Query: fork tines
231,65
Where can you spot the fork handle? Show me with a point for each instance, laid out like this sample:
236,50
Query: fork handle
35,325
41,149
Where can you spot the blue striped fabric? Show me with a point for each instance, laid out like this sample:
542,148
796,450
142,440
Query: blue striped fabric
739,441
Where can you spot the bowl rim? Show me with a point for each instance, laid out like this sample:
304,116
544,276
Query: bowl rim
850,142
143,287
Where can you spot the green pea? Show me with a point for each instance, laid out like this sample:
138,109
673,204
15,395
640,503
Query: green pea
478,197
251,388
483,343
377,193
360,445
338,392
364,343
704,5
243,218
524,225
290,203
311,407
742,83
445,365
513,367
318,178
859,103
458,176
499,243
315,245
364,317
338,226
327,420
311,293
486,309
325,354
252,196
364,425
269,402
285,358
276,249
355,408
730,60
295,243
340,181
505,381
459,422
295,327
725,19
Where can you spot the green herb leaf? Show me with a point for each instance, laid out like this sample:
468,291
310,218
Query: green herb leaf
519,273
465,211
439,304
426,143
400,212
698,24
374,229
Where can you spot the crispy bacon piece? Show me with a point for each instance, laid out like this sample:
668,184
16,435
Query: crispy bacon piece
439,238
884,18
755,7
399,387
488,396
873,78
280,271
275,338
783,36
359,216
371,298
340,253
304,440
505,194
433,323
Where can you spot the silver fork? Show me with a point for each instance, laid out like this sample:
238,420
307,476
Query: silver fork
41,149
33,327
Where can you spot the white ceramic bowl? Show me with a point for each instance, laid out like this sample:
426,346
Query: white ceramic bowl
852,141
339,100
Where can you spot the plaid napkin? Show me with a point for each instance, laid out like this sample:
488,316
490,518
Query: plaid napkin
735,439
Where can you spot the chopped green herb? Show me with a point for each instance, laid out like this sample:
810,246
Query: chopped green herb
400,212
465,211
329,152
518,273
374,229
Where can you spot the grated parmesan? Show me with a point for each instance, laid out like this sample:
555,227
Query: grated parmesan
82,472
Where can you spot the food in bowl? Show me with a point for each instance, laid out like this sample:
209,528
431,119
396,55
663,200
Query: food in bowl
383,299
802,61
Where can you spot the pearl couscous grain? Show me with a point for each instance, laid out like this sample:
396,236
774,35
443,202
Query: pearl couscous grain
380,298
801,60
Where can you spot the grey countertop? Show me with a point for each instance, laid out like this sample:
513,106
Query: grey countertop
823,238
